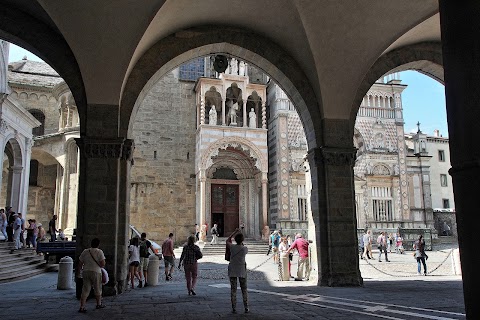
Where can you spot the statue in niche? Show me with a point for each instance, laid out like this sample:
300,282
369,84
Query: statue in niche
253,119
212,116
241,68
396,170
234,66
265,232
232,114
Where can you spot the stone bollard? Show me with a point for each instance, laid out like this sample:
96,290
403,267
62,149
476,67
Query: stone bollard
153,270
65,273
284,272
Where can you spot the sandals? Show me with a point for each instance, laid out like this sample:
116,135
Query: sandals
82,310
100,306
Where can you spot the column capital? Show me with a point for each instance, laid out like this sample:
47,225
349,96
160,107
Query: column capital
332,156
106,148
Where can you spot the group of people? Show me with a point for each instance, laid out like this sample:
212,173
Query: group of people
385,244
283,247
12,226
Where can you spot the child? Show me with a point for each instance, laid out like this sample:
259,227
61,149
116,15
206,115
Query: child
61,235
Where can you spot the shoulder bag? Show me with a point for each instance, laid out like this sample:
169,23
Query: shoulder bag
104,272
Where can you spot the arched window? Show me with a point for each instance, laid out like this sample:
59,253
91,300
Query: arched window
38,131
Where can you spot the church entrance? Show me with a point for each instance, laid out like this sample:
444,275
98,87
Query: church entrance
225,206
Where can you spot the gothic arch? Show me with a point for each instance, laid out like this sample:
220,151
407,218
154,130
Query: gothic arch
170,52
425,57
236,142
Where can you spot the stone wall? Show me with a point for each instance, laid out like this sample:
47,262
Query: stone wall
162,197
41,198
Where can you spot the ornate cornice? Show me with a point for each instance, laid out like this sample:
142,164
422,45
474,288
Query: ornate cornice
106,148
332,156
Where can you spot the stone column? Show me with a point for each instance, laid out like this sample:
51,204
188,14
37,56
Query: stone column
16,174
333,211
103,203
264,202
264,115
202,201
223,112
460,29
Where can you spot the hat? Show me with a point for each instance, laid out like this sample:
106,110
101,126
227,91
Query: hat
39,225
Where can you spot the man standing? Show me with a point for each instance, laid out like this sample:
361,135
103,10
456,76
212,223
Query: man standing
168,256
382,246
303,271
52,228
367,243
214,233
197,232
17,229
10,221
145,245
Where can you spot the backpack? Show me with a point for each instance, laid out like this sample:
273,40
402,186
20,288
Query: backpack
275,241
143,249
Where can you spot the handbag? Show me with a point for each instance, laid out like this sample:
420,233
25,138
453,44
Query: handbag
198,253
105,278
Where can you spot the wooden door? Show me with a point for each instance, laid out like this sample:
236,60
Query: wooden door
225,207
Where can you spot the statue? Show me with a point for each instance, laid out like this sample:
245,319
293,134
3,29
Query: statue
232,113
234,66
253,119
241,68
203,234
212,116
265,233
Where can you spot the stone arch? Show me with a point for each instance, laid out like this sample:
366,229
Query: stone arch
43,40
381,170
236,142
183,46
424,57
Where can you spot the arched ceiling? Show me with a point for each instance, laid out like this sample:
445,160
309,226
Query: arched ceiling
334,42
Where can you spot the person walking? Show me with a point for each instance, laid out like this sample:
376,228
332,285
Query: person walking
134,261
3,224
168,256
382,246
420,255
237,269
145,246
367,242
190,254
214,233
90,263
301,244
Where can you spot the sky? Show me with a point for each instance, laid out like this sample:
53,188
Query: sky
423,99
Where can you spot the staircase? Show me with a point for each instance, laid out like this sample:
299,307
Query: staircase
254,247
20,264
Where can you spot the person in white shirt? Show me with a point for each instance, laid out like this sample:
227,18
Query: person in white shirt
134,261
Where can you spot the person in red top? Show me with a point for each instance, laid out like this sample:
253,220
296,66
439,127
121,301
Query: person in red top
301,244
168,256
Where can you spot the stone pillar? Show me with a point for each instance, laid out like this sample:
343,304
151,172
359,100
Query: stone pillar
333,211
103,203
264,201
203,180
16,174
223,112
461,61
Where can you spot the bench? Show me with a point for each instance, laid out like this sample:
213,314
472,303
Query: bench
59,249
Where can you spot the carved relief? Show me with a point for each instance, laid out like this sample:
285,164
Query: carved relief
332,156
381,170
106,148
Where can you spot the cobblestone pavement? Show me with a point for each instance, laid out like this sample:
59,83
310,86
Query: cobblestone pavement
391,291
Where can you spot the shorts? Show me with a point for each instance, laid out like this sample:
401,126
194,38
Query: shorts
169,261
134,264
275,249
91,279
144,263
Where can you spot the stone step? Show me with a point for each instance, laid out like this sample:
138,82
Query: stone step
33,270
21,269
20,264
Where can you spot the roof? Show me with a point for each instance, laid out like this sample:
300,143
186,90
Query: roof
34,73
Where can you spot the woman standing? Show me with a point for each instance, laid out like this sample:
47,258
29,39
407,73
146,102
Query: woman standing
134,261
190,254
90,263
284,265
3,224
237,268
420,255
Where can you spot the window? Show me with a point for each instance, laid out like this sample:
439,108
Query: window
40,130
446,203
443,180
441,155
301,202
33,179
193,69
382,203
